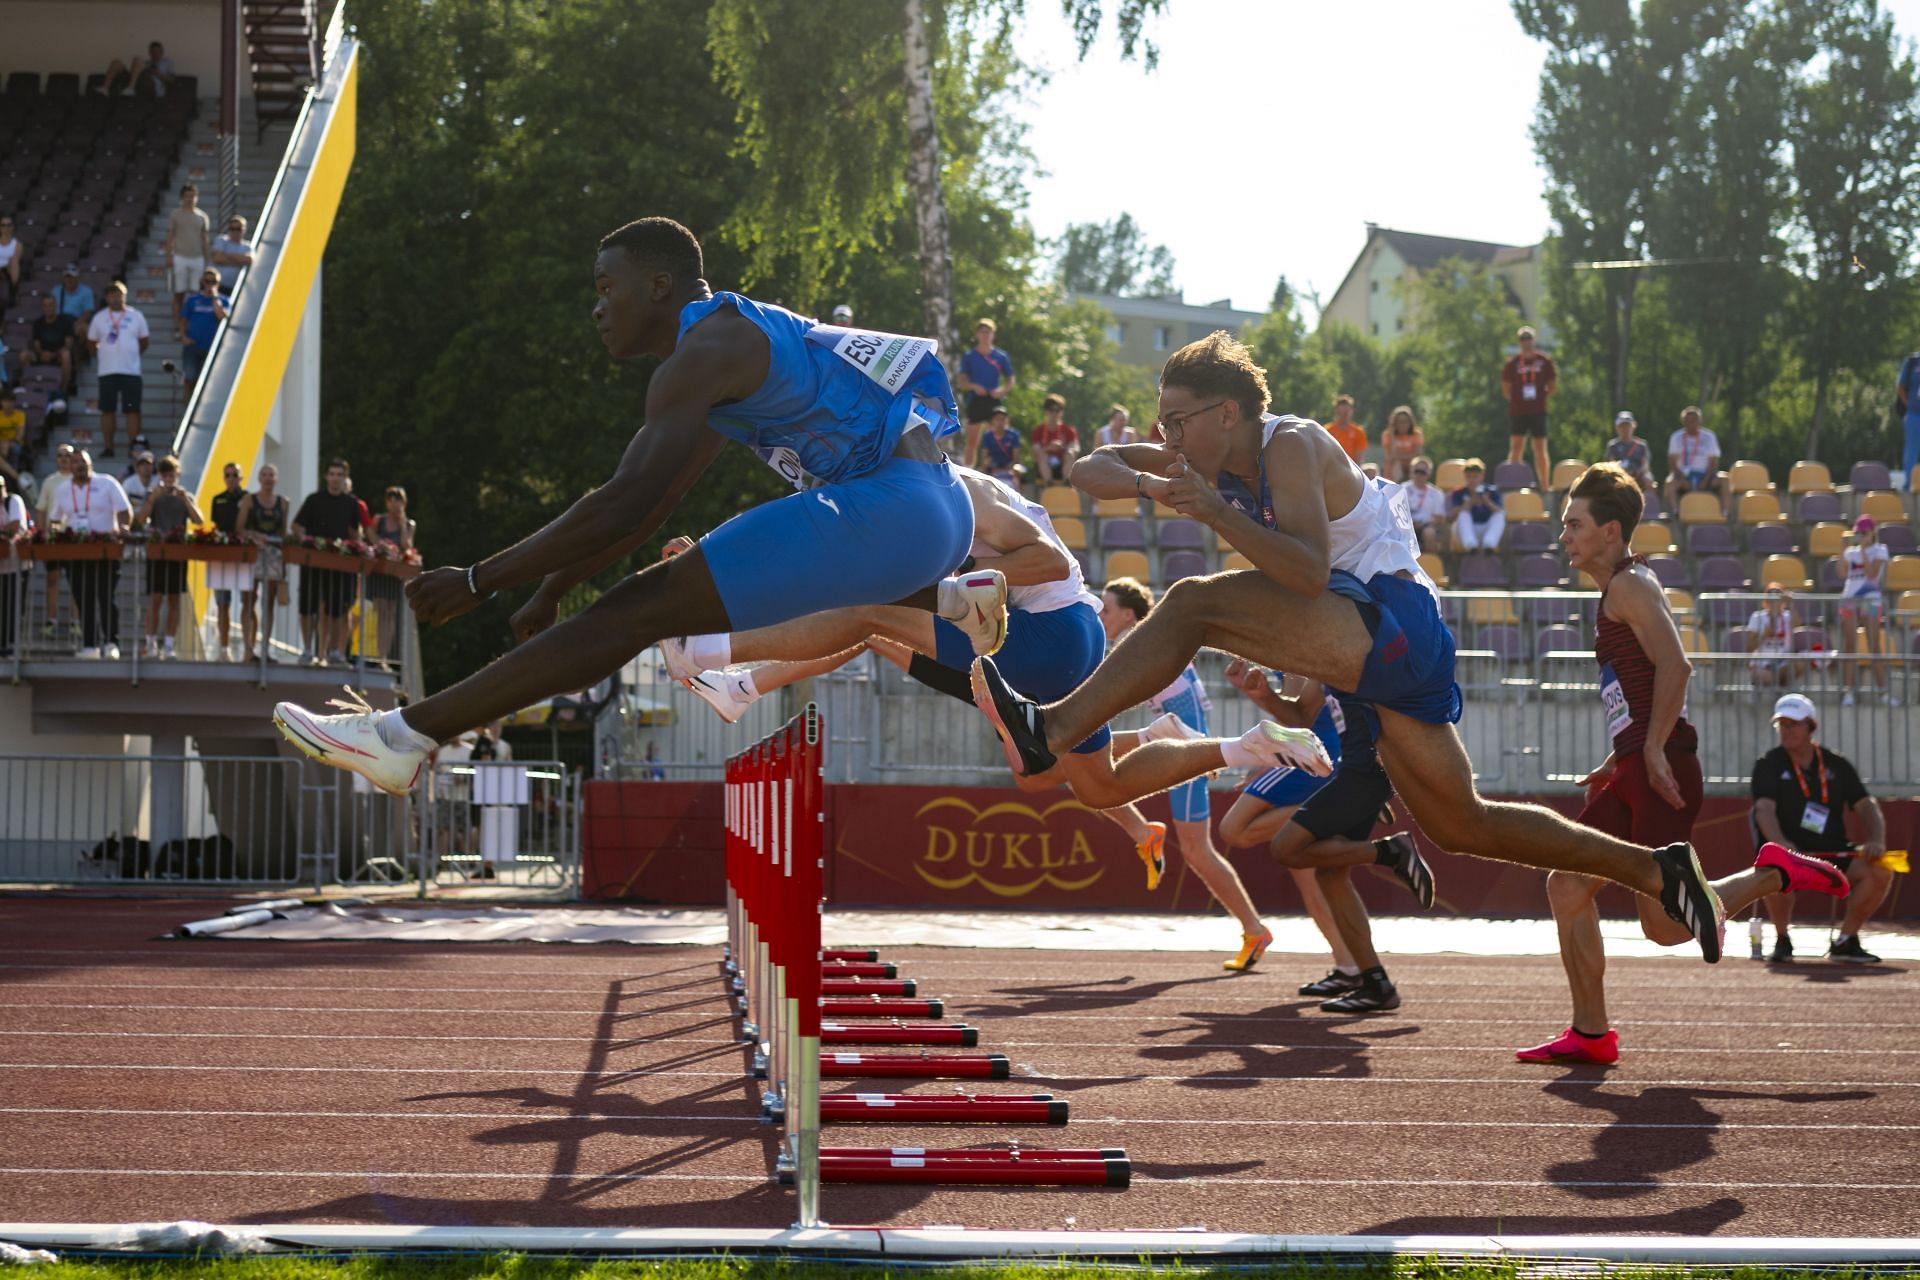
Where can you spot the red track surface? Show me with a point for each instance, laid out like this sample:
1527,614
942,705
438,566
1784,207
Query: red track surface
555,1086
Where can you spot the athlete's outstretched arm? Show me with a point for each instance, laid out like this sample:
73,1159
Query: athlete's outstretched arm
1114,470
712,363
1298,552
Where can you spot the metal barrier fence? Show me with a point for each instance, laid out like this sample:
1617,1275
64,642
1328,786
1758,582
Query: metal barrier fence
511,822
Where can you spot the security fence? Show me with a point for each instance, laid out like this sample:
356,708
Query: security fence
499,822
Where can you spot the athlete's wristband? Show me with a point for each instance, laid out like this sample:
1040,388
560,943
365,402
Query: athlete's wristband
473,584
1139,478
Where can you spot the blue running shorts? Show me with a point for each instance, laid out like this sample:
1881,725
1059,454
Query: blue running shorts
1409,669
1283,788
874,539
1189,799
1046,657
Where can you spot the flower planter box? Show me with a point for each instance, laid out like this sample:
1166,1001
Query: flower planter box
208,551
70,550
397,568
338,561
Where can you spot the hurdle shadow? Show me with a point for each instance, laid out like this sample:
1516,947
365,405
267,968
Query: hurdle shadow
1316,1049
1628,1158
1698,1220
1081,997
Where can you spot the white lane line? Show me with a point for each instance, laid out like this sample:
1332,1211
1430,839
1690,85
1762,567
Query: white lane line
549,1116
365,1176
1645,1184
1534,1081
1368,1047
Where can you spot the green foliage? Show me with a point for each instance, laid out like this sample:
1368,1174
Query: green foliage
1301,377
1062,347
1114,258
1465,322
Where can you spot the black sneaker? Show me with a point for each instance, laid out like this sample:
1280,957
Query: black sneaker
1023,733
1335,983
1375,995
1398,854
1689,898
1849,951
1782,950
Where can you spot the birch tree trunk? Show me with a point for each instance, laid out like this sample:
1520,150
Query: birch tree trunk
923,177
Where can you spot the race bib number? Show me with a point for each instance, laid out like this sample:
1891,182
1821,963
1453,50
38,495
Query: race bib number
887,358
1529,392
1814,818
787,463
1614,698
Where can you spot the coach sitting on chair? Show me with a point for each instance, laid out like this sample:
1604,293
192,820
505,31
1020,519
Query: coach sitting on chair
1801,792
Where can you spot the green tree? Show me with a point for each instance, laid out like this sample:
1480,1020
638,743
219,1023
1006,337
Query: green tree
1465,321
1301,377
1378,375
1114,258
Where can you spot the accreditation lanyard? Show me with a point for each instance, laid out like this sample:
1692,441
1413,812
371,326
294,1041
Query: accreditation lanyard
1813,817
1688,462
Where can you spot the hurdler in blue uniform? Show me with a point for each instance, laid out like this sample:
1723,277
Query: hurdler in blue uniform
851,418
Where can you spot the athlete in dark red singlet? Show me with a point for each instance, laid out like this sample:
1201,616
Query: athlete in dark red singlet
1649,788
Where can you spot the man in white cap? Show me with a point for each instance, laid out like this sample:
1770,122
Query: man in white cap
843,314
1634,455
1801,792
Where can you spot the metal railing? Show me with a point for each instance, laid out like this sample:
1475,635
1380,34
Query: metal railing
513,822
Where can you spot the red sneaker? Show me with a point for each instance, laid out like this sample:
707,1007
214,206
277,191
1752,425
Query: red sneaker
1813,874
1571,1046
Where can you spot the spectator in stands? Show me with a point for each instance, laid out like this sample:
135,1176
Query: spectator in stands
50,489
1479,512
262,520
1056,442
188,245
13,435
224,577
986,376
327,595
1770,640
13,256
395,529
168,510
13,527
1801,795
1528,380
201,314
999,451
1693,460
1119,429
1427,505
55,339
75,296
843,314
1351,435
1863,605
148,77
137,481
1633,454
90,503
1400,444
232,251
118,337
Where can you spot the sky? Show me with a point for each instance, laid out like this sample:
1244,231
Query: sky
1273,131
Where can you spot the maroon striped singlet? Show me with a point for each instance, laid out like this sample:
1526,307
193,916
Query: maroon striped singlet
1626,680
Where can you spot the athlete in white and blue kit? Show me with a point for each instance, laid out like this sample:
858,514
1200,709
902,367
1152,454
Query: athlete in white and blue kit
852,418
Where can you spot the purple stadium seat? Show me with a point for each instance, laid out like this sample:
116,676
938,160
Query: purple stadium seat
1512,475
1711,540
1528,538
1655,508
1722,573
1815,507
1120,532
1671,570
1810,640
1479,571
1727,613
1505,640
1870,475
1540,572
1086,565
1176,565
1558,640
1772,540
1178,533
1733,640
1832,574
1898,538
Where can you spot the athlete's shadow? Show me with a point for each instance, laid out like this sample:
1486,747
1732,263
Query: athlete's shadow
1655,1131
763,1205
1082,997
1697,1221
727,1102
1315,1048
1832,974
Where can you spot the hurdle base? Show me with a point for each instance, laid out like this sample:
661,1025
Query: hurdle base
920,1066
1104,1167
956,1034
969,1108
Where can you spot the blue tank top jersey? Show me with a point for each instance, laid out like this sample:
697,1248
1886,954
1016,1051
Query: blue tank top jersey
836,400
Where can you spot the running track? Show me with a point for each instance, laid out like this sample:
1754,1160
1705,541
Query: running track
600,1086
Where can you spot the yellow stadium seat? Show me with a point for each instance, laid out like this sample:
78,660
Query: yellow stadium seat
1524,506
1234,562
1072,531
1885,506
1786,571
1759,507
1908,603
1112,507
1450,475
1060,500
1701,508
1435,567
1679,601
1747,475
1903,574
1652,538
1692,639
1809,477
1828,538
1492,611
1565,472
1129,564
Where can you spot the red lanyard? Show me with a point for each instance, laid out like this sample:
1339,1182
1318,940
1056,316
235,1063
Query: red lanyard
1687,443
1819,764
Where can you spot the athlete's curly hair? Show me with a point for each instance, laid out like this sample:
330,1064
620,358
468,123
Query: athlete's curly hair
1611,494
1134,596
660,242
1219,366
